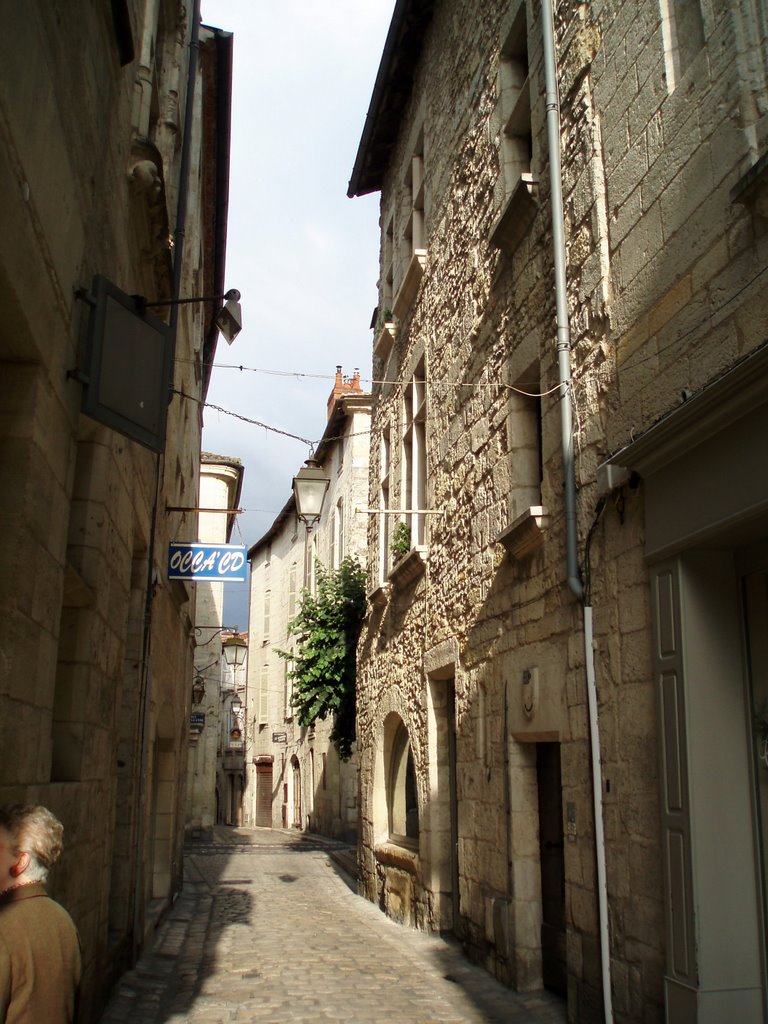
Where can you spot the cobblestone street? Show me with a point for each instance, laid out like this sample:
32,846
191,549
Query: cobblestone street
268,930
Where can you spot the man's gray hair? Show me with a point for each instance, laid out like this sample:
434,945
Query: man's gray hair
36,831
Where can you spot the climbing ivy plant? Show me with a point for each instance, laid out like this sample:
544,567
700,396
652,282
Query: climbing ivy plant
324,663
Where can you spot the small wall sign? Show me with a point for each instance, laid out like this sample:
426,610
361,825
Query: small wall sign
279,737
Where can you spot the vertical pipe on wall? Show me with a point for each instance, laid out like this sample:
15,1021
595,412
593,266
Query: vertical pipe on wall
566,419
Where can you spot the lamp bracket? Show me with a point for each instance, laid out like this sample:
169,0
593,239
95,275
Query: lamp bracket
218,630
192,508
401,511
142,304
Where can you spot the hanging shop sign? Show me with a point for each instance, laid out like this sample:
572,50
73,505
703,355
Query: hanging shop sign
213,563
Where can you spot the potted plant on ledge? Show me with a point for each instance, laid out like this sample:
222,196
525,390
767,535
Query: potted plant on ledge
401,541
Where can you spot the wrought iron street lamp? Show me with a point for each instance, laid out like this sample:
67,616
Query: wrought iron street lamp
309,488
233,647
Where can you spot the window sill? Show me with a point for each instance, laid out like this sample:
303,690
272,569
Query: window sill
526,533
517,215
395,856
409,567
379,596
409,288
385,340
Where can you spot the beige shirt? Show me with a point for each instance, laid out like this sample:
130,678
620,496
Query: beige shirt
40,958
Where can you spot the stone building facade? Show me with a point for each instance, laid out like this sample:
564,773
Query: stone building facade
209,786
295,778
561,707
103,162
230,748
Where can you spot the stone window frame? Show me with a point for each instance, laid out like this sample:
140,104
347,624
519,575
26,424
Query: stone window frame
683,37
408,218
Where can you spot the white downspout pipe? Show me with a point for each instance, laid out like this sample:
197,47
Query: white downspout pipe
566,419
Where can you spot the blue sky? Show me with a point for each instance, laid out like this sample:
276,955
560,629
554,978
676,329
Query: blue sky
304,256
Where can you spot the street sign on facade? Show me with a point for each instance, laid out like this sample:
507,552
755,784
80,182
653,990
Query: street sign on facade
213,563
279,737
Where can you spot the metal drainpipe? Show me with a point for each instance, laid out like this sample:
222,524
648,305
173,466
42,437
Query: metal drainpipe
181,216
574,576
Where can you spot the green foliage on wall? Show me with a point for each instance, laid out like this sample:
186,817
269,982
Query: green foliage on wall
401,540
324,663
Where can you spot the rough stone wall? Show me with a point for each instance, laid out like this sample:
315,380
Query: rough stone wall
656,257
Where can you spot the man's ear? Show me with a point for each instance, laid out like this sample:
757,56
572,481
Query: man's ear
21,865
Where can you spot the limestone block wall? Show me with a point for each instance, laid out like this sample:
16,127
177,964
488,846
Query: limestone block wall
663,298
95,657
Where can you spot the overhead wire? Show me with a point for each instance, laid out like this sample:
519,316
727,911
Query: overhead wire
534,392
312,444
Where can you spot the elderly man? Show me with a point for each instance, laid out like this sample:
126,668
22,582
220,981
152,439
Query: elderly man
40,962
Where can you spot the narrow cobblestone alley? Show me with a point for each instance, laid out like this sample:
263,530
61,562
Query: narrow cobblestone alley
267,930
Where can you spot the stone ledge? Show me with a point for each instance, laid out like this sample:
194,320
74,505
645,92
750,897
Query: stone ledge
385,340
410,566
409,288
379,596
394,856
526,533
516,216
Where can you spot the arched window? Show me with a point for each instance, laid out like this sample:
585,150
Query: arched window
402,800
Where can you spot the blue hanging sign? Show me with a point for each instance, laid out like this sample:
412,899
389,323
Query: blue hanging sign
212,563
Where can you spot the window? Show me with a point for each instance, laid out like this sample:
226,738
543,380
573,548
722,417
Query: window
337,535
413,235
384,503
288,688
292,591
387,277
402,798
264,695
341,449
514,98
338,529
414,468
267,615
525,446
682,31
312,582
528,518
513,107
